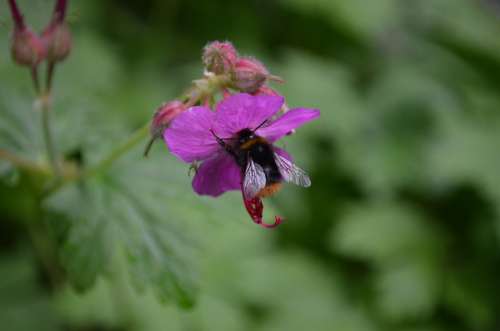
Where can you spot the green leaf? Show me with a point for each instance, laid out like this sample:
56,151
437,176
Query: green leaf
124,210
383,231
467,152
362,19
19,127
85,251
466,296
407,291
24,305
469,24
296,293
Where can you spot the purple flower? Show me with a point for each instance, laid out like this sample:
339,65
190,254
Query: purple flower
214,138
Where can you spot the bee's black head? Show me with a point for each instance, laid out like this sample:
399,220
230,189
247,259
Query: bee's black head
245,135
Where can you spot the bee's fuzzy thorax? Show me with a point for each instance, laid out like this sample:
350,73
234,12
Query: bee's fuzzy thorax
250,143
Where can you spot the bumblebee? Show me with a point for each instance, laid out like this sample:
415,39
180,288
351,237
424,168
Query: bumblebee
263,169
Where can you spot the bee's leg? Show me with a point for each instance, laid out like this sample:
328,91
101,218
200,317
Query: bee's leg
219,140
193,168
222,143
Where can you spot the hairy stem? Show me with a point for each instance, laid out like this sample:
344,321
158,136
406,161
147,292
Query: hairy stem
50,75
45,250
36,80
16,15
138,136
148,146
47,136
122,149
60,10
22,163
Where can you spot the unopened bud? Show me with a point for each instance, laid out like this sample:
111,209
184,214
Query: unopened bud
219,57
164,115
27,48
162,119
57,37
248,75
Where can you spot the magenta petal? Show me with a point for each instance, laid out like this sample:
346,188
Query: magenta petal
286,123
217,175
244,111
189,136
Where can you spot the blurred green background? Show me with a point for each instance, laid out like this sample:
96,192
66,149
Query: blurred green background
399,231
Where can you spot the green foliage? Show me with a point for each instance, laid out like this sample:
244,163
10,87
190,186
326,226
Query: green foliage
20,297
123,211
383,233
400,230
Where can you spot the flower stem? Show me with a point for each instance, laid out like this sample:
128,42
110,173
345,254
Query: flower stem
45,250
148,146
47,135
60,10
24,164
50,75
16,15
36,80
138,136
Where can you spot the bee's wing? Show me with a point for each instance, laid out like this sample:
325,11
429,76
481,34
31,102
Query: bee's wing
254,179
290,172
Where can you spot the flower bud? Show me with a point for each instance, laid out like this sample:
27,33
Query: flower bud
219,57
161,120
27,48
248,75
57,37
163,116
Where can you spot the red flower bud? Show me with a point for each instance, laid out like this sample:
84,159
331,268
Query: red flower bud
27,48
219,57
57,37
161,120
248,75
163,116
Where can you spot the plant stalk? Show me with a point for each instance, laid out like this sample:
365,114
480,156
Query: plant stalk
36,80
16,15
47,135
50,74
24,164
138,136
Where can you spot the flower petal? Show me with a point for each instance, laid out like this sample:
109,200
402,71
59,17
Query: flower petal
286,123
244,111
217,175
189,138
